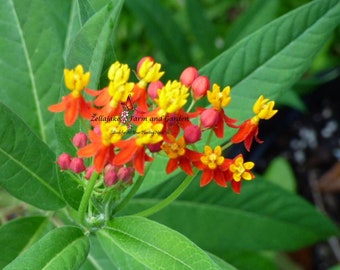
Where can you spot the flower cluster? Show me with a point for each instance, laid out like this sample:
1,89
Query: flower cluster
130,123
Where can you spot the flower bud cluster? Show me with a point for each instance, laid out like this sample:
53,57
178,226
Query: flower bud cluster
139,120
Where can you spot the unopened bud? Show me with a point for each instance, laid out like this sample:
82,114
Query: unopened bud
209,118
89,171
77,165
125,174
110,178
154,148
188,76
64,161
140,63
79,140
200,86
153,89
192,134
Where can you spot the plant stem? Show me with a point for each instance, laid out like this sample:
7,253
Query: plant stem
86,198
128,197
173,196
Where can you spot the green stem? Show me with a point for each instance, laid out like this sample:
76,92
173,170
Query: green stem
86,198
128,197
191,105
227,145
173,196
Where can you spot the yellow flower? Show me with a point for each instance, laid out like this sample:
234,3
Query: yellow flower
212,158
76,80
241,170
176,148
118,73
120,93
263,108
219,99
172,97
112,132
149,71
148,133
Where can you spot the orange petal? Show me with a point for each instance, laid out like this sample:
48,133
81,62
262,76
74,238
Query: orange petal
236,186
101,159
72,111
59,107
88,150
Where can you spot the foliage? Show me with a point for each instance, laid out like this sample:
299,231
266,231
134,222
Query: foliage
257,49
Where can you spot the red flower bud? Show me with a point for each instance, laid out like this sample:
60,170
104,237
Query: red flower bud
153,89
110,178
154,148
142,61
64,161
125,174
209,118
79,140
188,76
77,165
192,134
200,86
88,172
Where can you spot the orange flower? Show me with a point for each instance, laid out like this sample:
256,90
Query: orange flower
179,155
102,144
248,130
134,149
220,99
240,170
74,104
214,166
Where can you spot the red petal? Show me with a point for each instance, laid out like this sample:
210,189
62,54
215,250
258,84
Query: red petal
236,186
186,165
172,165
139,160
192,155
219,178
206,177
219,128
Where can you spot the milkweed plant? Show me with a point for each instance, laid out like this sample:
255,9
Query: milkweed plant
139,161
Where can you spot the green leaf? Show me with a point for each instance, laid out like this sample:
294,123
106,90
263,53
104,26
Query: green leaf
19,234
274,57
93,40
280,173
221,263
256,16
162,28
63,248
27,165
291,98
32,43
335,267
149,245
202,29
262,217
97,258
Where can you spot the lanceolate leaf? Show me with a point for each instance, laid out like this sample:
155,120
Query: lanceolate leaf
32,34
91,43
273,58
162,28
27,165
18,235
62,248
263,217
138,243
